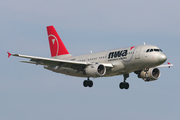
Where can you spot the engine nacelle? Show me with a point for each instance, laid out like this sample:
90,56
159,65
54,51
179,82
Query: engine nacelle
152,74
95,70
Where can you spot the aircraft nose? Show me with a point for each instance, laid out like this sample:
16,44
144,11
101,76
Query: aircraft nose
162,58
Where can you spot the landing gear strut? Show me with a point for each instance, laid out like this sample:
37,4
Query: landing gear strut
88,83
124,84
147,78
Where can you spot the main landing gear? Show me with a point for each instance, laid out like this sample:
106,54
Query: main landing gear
88,83
124,84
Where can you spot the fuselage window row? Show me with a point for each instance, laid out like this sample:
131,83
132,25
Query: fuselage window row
90,59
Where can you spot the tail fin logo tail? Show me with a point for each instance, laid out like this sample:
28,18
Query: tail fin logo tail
53,40
57,47
54,44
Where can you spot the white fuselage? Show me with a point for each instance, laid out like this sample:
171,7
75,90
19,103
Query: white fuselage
124,61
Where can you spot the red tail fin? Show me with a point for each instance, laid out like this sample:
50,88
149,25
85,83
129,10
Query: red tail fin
56,45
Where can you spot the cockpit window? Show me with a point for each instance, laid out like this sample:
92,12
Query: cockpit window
154,50
147,50
151,50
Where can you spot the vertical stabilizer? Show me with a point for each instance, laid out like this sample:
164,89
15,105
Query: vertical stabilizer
57,47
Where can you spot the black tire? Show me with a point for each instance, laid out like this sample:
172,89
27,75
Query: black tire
85,83
126,86
121,85
90,83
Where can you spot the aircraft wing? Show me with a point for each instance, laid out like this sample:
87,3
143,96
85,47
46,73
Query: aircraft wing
57,62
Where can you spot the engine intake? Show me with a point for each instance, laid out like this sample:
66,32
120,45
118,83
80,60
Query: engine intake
152,74
95,70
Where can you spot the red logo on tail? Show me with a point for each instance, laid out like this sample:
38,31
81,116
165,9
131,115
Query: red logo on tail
56,45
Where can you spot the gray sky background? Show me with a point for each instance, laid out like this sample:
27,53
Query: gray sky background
29,92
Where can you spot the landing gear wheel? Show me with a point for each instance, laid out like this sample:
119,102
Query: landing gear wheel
121,85
124,85
85,83
88,83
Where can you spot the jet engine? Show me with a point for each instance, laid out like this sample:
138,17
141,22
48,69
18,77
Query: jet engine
95,70
149,75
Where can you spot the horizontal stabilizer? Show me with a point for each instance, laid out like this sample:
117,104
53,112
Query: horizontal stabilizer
9,54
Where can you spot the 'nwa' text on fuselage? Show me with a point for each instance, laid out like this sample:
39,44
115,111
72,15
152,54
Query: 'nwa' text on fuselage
116,54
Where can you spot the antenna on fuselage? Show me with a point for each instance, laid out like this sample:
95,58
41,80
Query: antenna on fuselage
144,43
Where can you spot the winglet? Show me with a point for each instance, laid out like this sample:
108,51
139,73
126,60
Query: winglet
9,54
169,64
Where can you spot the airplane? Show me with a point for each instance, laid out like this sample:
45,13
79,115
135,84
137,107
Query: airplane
143,60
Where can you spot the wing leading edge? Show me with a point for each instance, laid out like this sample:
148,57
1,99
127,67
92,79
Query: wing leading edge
56,62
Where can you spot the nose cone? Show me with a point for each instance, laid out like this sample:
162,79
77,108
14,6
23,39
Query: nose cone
162,58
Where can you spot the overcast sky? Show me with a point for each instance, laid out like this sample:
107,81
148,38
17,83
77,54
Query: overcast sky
29,92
